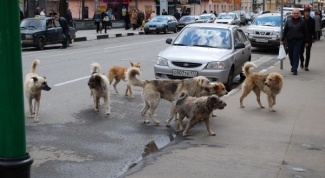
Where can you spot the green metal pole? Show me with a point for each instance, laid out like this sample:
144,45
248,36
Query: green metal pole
14,160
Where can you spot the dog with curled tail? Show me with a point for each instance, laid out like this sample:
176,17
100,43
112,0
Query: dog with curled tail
99,88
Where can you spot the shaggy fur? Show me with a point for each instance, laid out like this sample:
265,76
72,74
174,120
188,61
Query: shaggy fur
34,84
154,90
271,84
196,109
118,73
99,88
219,90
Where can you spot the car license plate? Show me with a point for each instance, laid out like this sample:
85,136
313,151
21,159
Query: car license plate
262,40
184,73
152,28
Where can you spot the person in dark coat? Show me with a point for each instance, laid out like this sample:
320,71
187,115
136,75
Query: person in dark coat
127,20
140,19
65,29
105,21
37,12
68,17
311,37
177,15
97,19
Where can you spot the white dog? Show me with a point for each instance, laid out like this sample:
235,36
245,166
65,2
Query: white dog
34,84
99,87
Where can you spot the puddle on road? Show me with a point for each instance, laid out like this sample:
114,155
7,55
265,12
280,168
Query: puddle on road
150,148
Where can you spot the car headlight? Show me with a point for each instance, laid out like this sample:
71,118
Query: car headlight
162,61
276,33
28,37
248,31
216,65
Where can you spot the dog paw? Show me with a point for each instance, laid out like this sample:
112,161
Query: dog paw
146,122
108,113
212,134
213,115
242,106
96,110
31,116
262,107
156,122
36,120
132,97
185,134
272,110
168,125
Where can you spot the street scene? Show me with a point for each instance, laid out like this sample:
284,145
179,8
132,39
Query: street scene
165,89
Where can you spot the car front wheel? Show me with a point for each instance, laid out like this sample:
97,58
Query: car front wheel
40,43
176,30
230,79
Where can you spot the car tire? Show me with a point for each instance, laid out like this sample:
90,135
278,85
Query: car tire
40,43
230,79
157,32
146,32
165,30
176,30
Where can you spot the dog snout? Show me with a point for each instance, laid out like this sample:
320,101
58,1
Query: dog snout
46,88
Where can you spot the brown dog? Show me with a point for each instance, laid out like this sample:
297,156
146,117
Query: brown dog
99,88
196,109
154,90
271,84
219,90
34,84
118,73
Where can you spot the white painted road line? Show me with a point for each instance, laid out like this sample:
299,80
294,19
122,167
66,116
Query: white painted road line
134,44
71,81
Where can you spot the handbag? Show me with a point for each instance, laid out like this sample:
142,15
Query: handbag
282,53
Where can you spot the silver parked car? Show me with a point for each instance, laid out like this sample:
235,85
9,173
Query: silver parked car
188,19
228,18
265,30
216,51
206,18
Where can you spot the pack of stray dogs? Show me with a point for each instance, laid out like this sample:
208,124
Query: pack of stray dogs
195,98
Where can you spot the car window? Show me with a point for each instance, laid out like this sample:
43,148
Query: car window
33,24
242,36
273,21
204,37
187,18
159,19
236,37
226,16
57,24
49,23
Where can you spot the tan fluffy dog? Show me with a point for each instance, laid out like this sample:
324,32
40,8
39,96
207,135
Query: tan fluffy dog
99,88
219,90
154,90
34,84
118,73
271,84
196,109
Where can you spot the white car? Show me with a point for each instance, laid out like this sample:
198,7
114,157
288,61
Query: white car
228,18
216,51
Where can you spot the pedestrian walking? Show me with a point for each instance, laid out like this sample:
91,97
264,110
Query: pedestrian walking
317,25
127,20
295,34
105,19
311,36
96,18
42,12
37,12
65,29
164,12
134,18
109,15
140,19
177,15
68,17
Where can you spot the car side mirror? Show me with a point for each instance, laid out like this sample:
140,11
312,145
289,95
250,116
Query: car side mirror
169,41
240,45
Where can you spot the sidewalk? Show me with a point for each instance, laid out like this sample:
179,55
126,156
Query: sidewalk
253,142
86,35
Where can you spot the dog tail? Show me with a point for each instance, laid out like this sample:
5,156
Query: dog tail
95,68
34,65
181,98
132,80
246,68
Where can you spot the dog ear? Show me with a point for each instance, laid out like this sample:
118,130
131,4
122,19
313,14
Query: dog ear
131,64
211,101
97,79
35,79
44,77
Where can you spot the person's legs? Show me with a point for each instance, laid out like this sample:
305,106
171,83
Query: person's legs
97,25
295,57
290,51
302,50
65,39
308,49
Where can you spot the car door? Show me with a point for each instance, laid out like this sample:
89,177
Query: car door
247,49
238,53
59,30
52,34
237,20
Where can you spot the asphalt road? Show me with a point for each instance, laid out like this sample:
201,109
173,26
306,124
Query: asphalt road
71,139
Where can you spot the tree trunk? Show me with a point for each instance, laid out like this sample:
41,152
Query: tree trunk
82,9
63,6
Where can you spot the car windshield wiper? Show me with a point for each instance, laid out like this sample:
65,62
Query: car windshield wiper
205,46
32,26
22,27
179,44
268,25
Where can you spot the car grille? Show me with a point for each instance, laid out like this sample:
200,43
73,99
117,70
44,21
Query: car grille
176,77
262,33
223,22
152,25
186,64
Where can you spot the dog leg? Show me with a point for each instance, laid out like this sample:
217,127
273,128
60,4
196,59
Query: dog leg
107,105
207,123
143,113
172,114
269,99
31,112
245,92
96,99
117,80
151,113
189,124
37,103
273,98
130,90
258,96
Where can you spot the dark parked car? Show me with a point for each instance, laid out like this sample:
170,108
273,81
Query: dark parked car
38,32
161,23
188,19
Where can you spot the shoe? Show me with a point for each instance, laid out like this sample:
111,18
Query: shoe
306,69
294,73
302,65
291,70
63,47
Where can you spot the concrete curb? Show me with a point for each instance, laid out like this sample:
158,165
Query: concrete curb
106,36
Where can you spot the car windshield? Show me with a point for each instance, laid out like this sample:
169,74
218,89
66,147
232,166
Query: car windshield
226,16
273,21
204,16
204,37
159,19
187,18
35,24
